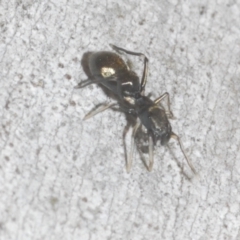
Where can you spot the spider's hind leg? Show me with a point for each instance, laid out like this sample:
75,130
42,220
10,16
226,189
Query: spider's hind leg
100,108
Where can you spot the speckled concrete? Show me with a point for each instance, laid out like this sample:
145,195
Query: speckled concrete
64,178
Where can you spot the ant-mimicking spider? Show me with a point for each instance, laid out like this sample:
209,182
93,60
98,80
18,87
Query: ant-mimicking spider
109,70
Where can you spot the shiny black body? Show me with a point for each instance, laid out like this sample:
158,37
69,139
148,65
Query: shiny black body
112,72
154,119
109,70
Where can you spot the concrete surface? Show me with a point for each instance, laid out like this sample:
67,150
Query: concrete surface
64,178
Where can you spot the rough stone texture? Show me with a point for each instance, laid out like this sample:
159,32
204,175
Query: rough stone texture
64,178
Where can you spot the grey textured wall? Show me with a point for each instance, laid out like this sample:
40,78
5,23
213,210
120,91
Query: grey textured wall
64,178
